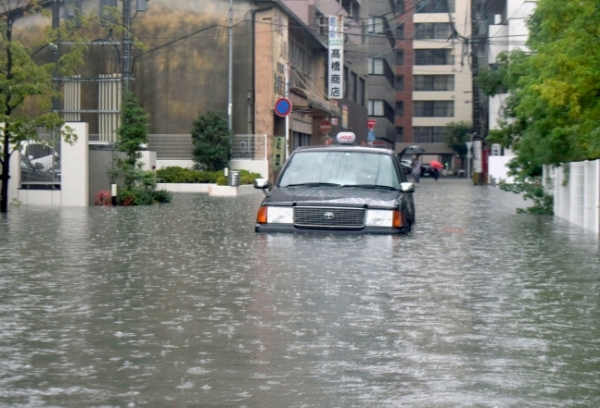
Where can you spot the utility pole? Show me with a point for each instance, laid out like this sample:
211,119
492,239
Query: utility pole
54,50
230,69
477,136
126,61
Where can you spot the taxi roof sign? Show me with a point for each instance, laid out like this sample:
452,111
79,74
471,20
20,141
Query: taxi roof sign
345,137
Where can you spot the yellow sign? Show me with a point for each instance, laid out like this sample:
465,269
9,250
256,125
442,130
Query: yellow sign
278,151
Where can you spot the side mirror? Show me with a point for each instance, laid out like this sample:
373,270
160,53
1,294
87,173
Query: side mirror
262,184
407,187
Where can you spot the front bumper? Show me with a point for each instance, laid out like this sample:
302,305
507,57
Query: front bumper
289,228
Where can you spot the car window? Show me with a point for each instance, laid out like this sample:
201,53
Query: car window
343,168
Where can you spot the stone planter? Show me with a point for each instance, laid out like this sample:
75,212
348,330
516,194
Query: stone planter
212,189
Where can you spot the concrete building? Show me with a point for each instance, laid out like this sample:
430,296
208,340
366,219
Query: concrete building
507,31
353,101
381,32
433,72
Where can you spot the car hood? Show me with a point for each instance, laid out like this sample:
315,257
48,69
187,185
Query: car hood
346,196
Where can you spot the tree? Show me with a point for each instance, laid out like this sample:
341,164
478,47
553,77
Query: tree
139,186
552,115
212,141
132,134
456,136
24,82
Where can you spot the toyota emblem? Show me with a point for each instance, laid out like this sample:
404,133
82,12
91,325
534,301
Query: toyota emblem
328,216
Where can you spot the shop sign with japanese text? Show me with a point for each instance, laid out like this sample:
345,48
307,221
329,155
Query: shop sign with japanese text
335,78
278,151
280,53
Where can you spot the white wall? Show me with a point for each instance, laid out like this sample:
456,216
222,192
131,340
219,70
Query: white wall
579,200
161,164
148,160
255,166
75,168
15,176
498,170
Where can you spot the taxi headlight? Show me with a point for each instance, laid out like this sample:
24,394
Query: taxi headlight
379,218
280,215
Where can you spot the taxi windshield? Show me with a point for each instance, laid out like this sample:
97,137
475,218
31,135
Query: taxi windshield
342,169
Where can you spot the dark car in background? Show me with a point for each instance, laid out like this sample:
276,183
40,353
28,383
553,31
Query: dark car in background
339,188
426,170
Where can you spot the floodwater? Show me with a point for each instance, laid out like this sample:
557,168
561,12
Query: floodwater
182,305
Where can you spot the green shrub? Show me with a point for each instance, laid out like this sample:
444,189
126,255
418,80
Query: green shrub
248,177
162,196
174,174
222,181
135,196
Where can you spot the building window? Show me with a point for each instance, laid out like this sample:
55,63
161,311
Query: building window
376,25
362,89
399,57
300,59
441,56
375,66
400,83
380,108
434,82
352,8
72,8
353,86
434,6
429,134
433,31
434,109
399,6
375,108
399,134
400,32
300,139
399,109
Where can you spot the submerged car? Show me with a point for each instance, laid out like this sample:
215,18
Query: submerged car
338,188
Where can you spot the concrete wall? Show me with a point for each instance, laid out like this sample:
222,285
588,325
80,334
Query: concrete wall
15,176
161,164
75,168
498,170
255,166
576,189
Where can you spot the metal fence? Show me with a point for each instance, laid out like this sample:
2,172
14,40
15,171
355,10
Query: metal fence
180,147
171,147
249,147
40,161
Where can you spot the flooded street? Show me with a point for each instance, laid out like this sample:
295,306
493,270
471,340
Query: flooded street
183,305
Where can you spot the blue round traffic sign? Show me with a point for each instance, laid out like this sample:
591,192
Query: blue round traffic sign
283,107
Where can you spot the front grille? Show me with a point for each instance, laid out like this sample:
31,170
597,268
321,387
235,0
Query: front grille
329,217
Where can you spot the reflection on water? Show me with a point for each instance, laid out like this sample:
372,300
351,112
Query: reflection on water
183,305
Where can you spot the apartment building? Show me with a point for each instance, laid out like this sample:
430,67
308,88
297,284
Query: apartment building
433,72
382,107
353,101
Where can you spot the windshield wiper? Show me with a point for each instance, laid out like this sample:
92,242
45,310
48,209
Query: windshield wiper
373,186
313,185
